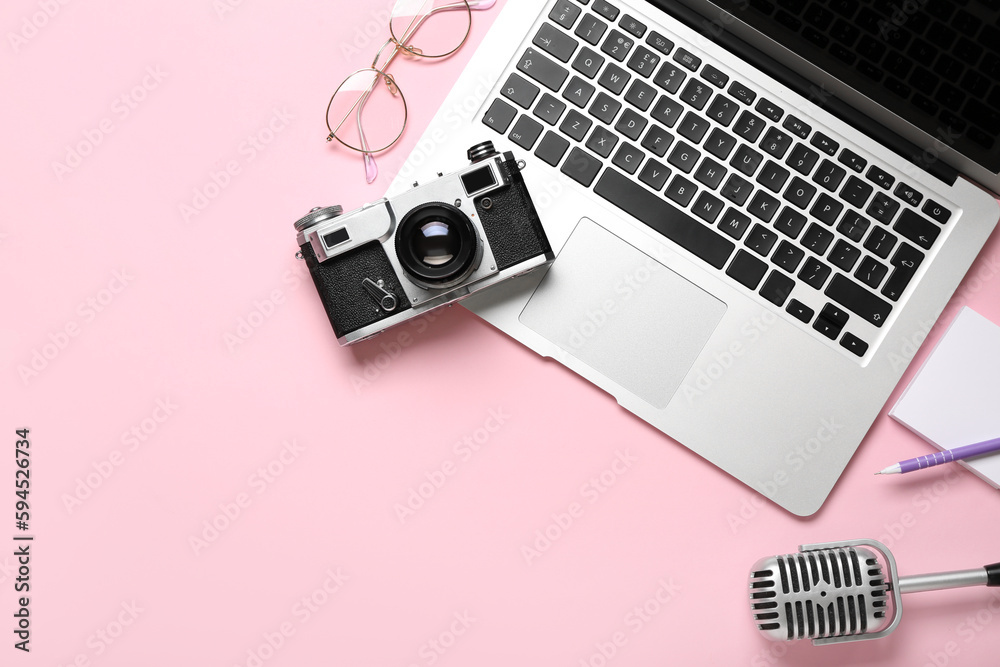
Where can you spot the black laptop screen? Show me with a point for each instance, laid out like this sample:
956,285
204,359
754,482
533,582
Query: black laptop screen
935,63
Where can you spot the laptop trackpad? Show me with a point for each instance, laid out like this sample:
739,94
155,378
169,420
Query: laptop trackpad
623,313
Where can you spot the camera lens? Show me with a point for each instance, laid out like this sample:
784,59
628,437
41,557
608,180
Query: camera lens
437,244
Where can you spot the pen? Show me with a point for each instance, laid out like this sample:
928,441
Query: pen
942,457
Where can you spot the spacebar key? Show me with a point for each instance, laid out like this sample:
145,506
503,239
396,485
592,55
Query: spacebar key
665,218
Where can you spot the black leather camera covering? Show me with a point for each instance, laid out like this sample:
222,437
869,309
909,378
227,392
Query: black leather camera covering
511,224
347,304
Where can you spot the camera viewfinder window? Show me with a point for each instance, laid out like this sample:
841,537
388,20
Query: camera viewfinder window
477,180
336,237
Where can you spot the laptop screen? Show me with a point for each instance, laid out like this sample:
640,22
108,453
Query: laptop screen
935,63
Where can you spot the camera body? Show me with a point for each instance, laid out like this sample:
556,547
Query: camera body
392,260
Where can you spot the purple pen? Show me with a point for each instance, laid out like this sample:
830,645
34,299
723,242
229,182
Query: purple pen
946,456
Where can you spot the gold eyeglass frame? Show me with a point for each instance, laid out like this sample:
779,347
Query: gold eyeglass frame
399,45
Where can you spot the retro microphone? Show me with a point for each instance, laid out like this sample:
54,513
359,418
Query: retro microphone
840,591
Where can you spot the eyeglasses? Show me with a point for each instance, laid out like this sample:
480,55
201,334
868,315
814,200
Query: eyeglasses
367,113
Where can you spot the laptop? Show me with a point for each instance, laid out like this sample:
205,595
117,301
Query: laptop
759,207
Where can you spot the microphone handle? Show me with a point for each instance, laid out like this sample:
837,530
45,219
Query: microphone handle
982,576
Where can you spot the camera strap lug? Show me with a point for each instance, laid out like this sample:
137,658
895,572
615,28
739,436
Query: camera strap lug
386,300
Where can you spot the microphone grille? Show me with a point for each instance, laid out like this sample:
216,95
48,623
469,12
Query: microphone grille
822,593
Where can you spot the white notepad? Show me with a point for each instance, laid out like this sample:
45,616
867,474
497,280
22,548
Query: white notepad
954,399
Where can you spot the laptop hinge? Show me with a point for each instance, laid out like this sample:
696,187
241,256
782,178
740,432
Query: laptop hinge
807,89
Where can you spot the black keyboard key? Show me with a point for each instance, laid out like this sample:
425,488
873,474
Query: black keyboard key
747,269
802,159
720,144
617,45
871,272
852,160
829,175
654,174
917,228
858,300
710,173
883,208
827,209
834,315
714,76
669,78
856,192
824,143
684,157
687,59
549,109
936,212
602,141
723,110
880,242
499,116
788,256
628,158
693,127
631,124
763,206
660,43
643,62
657,140
588,62
578,92
633,26
519,90
696,93
555,42
591,29
761,240
735,224
749,126
640,95
565,13
605,9
797,127
790,222
543,70
707,207
853,226
737,190
746,160
742,93
552,148
777,288
769,109
909,194
814,273
772,176
817,239
581,166
576,125
799,193
844,256
827,328
605,108
614,78
666,111
776,142
880,177
904,265
854,344
525,132
681,190
664,218
799,311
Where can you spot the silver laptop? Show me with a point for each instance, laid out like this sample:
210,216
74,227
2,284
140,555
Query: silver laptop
759,206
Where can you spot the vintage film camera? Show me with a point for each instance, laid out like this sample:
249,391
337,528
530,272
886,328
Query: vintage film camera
392,260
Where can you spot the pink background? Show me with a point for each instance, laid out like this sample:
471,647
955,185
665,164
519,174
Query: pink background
133,310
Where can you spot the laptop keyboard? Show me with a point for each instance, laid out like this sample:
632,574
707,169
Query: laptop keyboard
716,167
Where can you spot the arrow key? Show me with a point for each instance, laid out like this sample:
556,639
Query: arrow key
854,344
